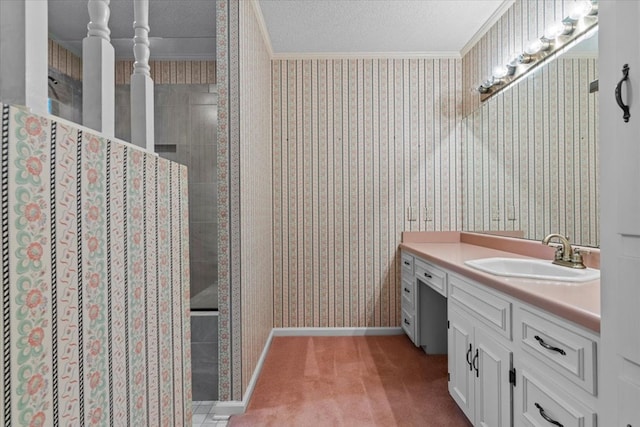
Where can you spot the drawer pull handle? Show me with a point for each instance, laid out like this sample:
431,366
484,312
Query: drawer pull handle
427,275
546,417
469,358
549,347
406,322
475,359
407,263
407,290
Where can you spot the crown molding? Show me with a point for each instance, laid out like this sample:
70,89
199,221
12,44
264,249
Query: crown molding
495,17
365,55
263,27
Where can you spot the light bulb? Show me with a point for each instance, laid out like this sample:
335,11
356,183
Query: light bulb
536,46
557,29
500,71
580,9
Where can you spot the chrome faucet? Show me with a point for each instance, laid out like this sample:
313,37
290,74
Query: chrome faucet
565,255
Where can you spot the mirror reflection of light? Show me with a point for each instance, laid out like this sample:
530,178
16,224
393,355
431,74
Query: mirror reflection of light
580,9
557,29
500,71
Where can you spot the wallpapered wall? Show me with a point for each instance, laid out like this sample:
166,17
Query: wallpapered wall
255,191
530,153
355,143
245,275
95,280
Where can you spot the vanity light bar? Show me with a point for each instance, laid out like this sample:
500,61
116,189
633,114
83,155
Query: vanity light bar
581,19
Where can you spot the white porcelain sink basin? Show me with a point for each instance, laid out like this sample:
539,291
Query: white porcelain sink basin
536,269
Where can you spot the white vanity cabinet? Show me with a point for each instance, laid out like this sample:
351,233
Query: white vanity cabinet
510,363
480,359
557,375
408,305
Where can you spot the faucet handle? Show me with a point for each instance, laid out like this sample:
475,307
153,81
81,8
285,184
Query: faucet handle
576,257
559,252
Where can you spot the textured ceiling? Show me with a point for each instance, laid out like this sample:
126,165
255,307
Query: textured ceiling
180,29
185,29
375,26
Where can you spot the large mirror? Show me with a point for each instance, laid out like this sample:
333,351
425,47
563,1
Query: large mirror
530,153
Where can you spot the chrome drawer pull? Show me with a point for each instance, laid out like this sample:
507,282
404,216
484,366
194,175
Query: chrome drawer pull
427,275
549,347
407,290
406,322
546,417
407,263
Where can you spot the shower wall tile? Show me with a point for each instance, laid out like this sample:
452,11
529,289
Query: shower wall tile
80,224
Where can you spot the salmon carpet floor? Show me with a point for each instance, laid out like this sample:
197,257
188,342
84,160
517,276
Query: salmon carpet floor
351,381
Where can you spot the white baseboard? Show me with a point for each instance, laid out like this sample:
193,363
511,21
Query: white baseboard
236,407
335,332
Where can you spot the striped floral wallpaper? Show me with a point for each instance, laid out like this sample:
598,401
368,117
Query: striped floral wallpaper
530,156
94,314
355,143
255,191
245,277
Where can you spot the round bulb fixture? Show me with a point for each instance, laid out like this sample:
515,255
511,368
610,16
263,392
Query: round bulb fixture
536,46
558,29
501,71
514,61
580,9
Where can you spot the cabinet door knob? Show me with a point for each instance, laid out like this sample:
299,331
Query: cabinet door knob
625,108
549,347
546,417
406,322
407,290
407,263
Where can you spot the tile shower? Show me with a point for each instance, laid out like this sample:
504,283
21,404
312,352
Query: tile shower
185,132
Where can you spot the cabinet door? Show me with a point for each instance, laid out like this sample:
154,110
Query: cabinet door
493,392
461,376
619,42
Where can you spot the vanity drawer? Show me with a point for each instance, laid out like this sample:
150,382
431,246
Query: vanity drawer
487,306
408,294
541,406
550,340
408,325
432,276
407,264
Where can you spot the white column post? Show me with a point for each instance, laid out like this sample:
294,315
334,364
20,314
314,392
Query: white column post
23,53
142,108
98,71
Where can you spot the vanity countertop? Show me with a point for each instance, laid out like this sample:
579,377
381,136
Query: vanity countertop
577,302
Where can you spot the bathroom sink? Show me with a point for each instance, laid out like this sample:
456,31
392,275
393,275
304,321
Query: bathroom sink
536,269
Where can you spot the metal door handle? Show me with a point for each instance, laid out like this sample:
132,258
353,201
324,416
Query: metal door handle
625,108
469,358
546,417
549,347
427,275
475,359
